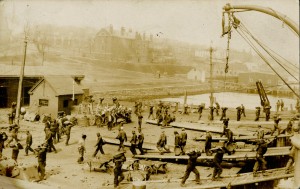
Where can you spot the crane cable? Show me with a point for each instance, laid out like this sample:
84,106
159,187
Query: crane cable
257,51
243,27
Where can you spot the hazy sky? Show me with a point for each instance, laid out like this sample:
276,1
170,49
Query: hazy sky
195,21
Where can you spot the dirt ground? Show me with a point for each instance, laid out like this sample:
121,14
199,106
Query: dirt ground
63,171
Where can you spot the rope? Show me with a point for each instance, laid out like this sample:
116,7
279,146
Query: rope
262,46
256,50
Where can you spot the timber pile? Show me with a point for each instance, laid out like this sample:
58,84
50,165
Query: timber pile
242,138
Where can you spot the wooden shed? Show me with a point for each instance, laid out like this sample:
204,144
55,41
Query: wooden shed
56,93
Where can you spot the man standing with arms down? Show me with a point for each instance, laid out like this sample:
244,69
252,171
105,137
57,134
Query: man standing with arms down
191,167
81,148
41,155
99,145
28,143
133,142
140,141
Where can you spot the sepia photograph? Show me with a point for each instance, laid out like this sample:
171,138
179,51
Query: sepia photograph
149,94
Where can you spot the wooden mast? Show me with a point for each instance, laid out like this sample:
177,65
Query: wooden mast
19,98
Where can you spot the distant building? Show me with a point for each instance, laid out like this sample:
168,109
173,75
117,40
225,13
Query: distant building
54,93
196,75
121,45
250,79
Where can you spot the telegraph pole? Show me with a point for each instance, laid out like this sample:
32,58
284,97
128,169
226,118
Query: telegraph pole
17,118
211,76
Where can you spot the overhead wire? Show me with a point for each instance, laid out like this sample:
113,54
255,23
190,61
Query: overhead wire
262,46
260,54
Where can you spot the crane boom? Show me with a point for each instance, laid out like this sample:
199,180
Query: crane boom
264,101
266,10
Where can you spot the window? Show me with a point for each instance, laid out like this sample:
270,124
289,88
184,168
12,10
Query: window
66,103
43,102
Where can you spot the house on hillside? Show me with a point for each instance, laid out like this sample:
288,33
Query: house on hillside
250,78
196,75
52,94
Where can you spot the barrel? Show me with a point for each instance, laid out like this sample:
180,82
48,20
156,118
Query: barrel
138,185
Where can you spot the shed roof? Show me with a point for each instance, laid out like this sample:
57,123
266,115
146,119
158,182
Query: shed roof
61,85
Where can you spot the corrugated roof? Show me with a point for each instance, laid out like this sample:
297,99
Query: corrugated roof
61,85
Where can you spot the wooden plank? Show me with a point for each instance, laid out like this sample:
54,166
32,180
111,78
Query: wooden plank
241,138
202,127
235,157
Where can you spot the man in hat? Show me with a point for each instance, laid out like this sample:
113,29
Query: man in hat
225,126
211,113
217,108
238,113
208,141
140,141
260,132
200,110
12,113
277,119
184,137
133,142
223,116
257,113
177,143
81,148
3,138
69,126
162,142
28,143
49,140
140,120
122,138
218,158
42,155
151,108
99,145
268,112
119,160
260,163
191,166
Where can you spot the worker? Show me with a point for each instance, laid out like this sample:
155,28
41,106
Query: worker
268,112
229,135
277,119
119,160
28,143
99,145
191,167
133,143
282,105
243,110
49,140
81,148
208,141
223,116
260,163
225,126
217,108
140,120
140,141
218,158
185,109
289,164
238,113
211,113
257,113
42,156
289,127
200,110
68,128
12,114
3,138
151,108
162,142
260,132
177,143
122,138
278,105
16,146
184,137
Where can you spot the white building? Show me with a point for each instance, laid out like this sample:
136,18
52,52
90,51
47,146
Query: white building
196,74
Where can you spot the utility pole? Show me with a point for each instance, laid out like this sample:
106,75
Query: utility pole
211,77
21,84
